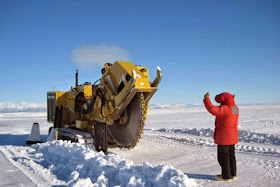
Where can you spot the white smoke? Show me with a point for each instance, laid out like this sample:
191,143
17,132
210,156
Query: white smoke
89,56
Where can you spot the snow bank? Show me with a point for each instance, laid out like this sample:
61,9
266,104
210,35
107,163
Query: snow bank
76,165
244,135
22,107
177,134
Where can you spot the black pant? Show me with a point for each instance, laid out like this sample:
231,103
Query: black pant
226,159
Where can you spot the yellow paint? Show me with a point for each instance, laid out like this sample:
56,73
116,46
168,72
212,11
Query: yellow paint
81,124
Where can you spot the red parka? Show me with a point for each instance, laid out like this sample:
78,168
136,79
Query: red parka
226,132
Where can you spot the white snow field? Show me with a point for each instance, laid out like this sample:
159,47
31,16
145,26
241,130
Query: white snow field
176,149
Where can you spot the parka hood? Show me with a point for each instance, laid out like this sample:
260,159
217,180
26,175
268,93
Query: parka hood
225,99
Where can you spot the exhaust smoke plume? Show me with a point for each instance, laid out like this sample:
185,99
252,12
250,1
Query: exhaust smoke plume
88,57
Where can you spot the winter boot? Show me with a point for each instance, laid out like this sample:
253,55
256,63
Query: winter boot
220,178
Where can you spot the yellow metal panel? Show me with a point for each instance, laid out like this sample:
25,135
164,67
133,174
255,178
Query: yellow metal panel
142,83
70,101
87,91
60,98
81,124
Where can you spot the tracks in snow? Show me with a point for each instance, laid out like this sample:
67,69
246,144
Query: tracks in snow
249,142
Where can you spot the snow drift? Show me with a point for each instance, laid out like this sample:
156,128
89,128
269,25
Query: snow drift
244,135
76,165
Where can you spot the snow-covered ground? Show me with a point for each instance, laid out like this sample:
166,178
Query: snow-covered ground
176,149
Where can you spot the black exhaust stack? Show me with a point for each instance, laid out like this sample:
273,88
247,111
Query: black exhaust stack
77,73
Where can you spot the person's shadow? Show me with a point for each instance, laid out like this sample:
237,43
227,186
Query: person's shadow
201,176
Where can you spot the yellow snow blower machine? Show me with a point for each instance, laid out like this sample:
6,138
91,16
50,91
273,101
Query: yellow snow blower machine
111,113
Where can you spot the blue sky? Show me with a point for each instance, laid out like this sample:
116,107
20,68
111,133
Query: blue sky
201,46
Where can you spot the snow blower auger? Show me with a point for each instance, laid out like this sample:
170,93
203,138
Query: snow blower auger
111,113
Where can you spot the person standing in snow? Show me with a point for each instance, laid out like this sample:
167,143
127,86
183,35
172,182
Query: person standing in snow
225,133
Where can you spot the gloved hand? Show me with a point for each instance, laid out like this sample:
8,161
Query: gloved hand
207,95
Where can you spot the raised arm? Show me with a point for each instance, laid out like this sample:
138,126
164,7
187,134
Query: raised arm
214,110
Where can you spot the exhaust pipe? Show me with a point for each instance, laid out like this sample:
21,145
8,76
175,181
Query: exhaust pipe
77,73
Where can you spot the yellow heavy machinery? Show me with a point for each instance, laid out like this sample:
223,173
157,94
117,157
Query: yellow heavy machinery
111,113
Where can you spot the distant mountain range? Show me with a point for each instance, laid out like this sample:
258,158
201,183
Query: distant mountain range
6,107
173,105
22,107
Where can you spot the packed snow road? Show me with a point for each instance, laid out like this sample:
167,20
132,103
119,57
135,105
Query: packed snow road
176,149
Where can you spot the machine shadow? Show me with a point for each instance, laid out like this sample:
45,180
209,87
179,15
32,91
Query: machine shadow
17,139
201,176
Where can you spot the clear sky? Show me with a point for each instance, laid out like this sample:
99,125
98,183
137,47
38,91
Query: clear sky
201,46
